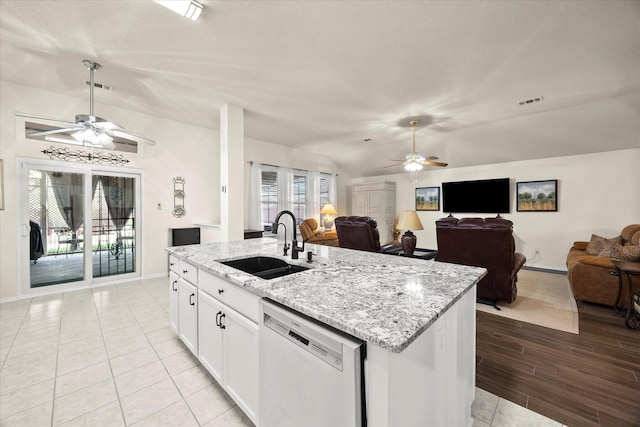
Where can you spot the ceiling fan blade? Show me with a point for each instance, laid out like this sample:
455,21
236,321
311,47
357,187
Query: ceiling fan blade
132,137
397,160
395,164
54,131
431,158
108,126
430,163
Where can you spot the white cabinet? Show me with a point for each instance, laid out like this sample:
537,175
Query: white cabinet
240,355
188,314
228,339
174,304
377,201
210,334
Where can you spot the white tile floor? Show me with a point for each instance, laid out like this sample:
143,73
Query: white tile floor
107,357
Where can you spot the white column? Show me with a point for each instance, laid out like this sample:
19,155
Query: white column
232,197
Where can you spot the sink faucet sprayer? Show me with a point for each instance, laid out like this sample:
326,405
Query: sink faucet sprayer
295,249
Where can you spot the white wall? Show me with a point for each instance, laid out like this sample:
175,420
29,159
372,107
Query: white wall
184,150
597,193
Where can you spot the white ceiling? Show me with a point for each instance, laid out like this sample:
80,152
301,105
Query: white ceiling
326,75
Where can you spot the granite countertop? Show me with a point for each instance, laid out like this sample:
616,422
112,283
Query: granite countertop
382,299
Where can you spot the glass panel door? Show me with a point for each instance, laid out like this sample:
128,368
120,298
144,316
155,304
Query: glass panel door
56,227
78,225
113,224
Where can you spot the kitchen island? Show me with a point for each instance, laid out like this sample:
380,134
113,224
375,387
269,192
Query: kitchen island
417,318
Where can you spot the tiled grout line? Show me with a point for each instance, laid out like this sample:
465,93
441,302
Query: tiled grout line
163,365
132,310
104,343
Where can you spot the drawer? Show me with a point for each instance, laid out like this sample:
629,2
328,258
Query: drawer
174,264
231,295
189,272
213,285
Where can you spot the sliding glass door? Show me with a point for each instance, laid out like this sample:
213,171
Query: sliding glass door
56,227
113,225
78,224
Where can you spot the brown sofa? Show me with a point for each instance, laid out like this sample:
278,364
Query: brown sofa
590,270
360,233
310,234
483,242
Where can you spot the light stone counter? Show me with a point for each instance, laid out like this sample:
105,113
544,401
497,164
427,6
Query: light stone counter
382,299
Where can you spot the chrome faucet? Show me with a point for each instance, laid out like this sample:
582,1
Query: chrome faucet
294,243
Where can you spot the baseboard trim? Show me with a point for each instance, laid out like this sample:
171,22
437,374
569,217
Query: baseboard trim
545,270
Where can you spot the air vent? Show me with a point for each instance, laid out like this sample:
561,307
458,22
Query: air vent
531,101
98,85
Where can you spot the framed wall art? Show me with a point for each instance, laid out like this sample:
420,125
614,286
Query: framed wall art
428,199
537,196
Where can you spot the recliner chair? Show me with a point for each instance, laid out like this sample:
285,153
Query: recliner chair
360,233
310,234
483,242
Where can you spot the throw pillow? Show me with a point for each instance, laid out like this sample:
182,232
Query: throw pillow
624,253
598,243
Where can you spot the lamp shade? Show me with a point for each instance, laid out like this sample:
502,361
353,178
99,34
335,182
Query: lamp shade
328,209
409,221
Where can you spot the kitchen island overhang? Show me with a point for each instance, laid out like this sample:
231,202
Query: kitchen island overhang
417,317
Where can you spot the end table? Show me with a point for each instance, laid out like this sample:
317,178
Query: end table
632,318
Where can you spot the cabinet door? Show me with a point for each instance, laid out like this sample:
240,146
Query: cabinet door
241,361
360,203
188,314
210,334
174,319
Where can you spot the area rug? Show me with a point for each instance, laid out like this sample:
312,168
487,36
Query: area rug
544,299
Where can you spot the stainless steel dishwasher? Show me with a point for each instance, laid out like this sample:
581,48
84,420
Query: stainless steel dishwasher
310,375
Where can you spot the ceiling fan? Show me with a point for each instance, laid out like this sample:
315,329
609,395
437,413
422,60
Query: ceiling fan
415,161
91,130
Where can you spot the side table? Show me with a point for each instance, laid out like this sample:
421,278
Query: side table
420,253
630,269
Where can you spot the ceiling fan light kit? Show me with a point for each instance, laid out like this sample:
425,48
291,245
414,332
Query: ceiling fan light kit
414,161
91,130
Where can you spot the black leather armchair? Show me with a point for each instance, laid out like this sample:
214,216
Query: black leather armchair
360,233
483,242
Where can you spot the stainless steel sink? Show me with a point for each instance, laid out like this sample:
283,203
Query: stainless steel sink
264,267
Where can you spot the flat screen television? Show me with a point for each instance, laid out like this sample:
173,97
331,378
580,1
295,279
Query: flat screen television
185,236
480,196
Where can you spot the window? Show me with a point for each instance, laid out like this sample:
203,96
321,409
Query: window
299,200
269,198
299,191
325,187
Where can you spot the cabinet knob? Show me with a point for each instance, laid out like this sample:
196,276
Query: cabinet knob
185,271
220,291
171,264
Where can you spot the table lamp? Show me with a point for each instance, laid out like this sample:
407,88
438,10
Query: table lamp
409,221
328,210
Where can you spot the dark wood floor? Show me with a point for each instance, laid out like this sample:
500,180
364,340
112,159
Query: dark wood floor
590,379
